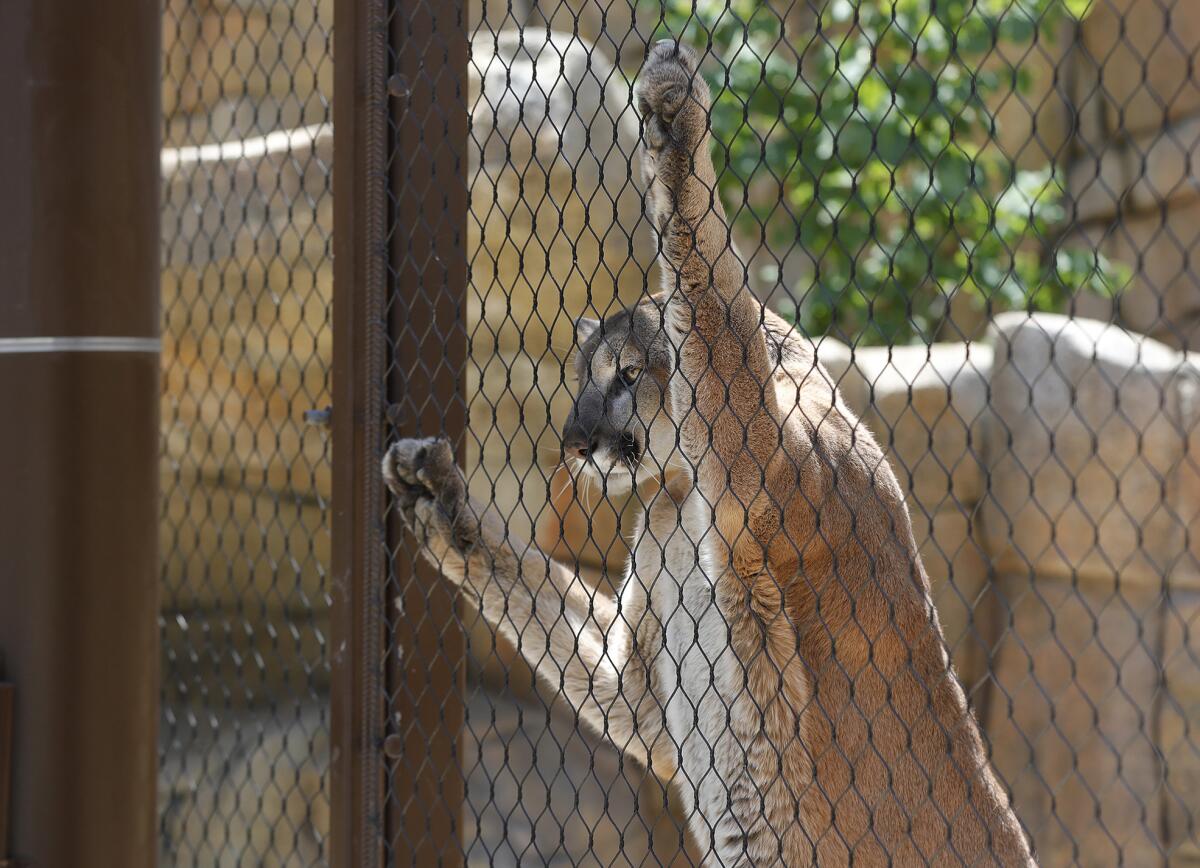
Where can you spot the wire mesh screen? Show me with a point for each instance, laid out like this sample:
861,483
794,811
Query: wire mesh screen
247,288
811,364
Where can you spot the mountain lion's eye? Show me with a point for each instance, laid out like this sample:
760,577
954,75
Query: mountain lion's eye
631,373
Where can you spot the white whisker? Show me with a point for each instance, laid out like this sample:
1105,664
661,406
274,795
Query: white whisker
555,495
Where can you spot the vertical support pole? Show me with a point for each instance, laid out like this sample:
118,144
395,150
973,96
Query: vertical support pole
7,699
359,341
80,375
400,204
427,157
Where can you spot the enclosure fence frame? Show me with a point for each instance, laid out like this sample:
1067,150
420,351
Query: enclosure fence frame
391,65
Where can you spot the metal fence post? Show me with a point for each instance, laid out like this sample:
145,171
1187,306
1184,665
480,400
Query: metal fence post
426,647
400,282
80,376
356,717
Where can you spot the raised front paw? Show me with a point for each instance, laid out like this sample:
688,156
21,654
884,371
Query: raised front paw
430,492
672,97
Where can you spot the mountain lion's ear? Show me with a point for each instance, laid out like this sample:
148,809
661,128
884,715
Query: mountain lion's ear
585,328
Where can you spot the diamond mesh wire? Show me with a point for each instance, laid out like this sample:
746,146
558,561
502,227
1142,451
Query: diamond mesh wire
979,215
247,290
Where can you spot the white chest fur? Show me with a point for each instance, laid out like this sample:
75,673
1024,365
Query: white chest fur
698,675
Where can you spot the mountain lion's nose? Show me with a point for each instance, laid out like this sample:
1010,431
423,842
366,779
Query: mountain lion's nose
579,446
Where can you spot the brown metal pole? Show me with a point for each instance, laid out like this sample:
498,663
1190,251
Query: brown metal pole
7,700
356,833
427,151
400,286
79,376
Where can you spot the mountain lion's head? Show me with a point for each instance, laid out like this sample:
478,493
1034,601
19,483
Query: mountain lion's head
620,428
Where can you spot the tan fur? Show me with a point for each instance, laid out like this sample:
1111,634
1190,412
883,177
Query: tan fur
812,515
774,650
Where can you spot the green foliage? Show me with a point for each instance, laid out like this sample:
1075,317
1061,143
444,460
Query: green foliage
864,140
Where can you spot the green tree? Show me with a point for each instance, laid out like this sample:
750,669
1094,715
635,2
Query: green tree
866,142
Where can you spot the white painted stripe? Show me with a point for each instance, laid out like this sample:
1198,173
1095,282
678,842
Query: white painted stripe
277,142
103,344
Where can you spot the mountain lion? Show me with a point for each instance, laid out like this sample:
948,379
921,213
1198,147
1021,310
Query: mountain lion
774,651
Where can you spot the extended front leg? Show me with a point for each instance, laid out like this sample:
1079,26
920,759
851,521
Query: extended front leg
728,419
572,636
681,182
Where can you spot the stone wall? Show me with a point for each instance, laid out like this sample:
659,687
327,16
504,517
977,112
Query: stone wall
1089,523
1115,102
247,284
239,68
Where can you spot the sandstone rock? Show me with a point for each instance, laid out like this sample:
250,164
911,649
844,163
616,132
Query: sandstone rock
1183,488
1084,439
242,547
257,200
1164,297
238,69
1145,51
1033,128
1177,709
1140,174
516,408
180,25
1070,718
247,287
556,212
926,405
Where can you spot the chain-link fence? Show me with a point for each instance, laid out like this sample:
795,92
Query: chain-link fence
247,291
970,214
695,627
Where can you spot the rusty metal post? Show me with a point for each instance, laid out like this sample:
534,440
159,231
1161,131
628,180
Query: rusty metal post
399,355
79,376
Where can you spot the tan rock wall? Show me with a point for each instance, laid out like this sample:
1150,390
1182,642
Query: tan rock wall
1070,719
1089,519
233,69
247,348
1135,88
1088,431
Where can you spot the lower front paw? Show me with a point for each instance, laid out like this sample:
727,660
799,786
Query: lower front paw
430,491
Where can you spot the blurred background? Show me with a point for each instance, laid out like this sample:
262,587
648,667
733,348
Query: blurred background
981,212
